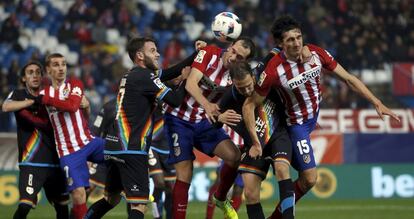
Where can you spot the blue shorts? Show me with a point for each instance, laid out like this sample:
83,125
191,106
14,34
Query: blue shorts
238,181
302,156
182,136
75,165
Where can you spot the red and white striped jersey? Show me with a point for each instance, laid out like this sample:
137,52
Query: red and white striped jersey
298,84
216,78
234,136
70,128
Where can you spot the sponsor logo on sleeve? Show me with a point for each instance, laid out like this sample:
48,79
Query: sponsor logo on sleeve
77,91
262,77
200,56
159,84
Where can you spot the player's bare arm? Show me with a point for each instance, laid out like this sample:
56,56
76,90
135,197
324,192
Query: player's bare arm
85,106
84,103
15,105
199,44
37,120
305,55
249,106
185,72
356,85
192,87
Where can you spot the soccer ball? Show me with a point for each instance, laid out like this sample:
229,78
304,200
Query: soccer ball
226,27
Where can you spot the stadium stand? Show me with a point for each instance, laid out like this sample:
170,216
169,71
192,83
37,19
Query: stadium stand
92,35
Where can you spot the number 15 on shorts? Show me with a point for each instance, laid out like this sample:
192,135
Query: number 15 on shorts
303,146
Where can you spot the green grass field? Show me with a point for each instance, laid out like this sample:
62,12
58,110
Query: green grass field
306,209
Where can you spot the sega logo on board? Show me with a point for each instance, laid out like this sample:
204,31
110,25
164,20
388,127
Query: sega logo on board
364,121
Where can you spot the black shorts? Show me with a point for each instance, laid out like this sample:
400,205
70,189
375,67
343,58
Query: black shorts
33,178
128,173
97,174
161,142
278,149
158,164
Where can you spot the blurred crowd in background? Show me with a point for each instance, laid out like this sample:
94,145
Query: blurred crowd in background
93,33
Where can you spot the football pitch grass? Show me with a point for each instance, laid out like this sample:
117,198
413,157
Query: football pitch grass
306,209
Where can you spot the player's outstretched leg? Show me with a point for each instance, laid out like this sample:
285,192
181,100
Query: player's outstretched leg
227,151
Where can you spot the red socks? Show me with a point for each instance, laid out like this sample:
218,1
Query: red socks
236,202
227,176
79,211
180,199
298,191
210,203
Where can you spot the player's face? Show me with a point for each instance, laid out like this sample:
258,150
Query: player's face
32,76
292,43
235,53
57,68
245,86
151,56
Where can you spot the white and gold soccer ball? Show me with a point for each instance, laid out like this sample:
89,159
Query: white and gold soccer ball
226,27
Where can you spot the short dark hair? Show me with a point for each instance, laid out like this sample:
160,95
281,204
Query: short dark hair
283,24
31,62
136,44
51,56
248,44
239,70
